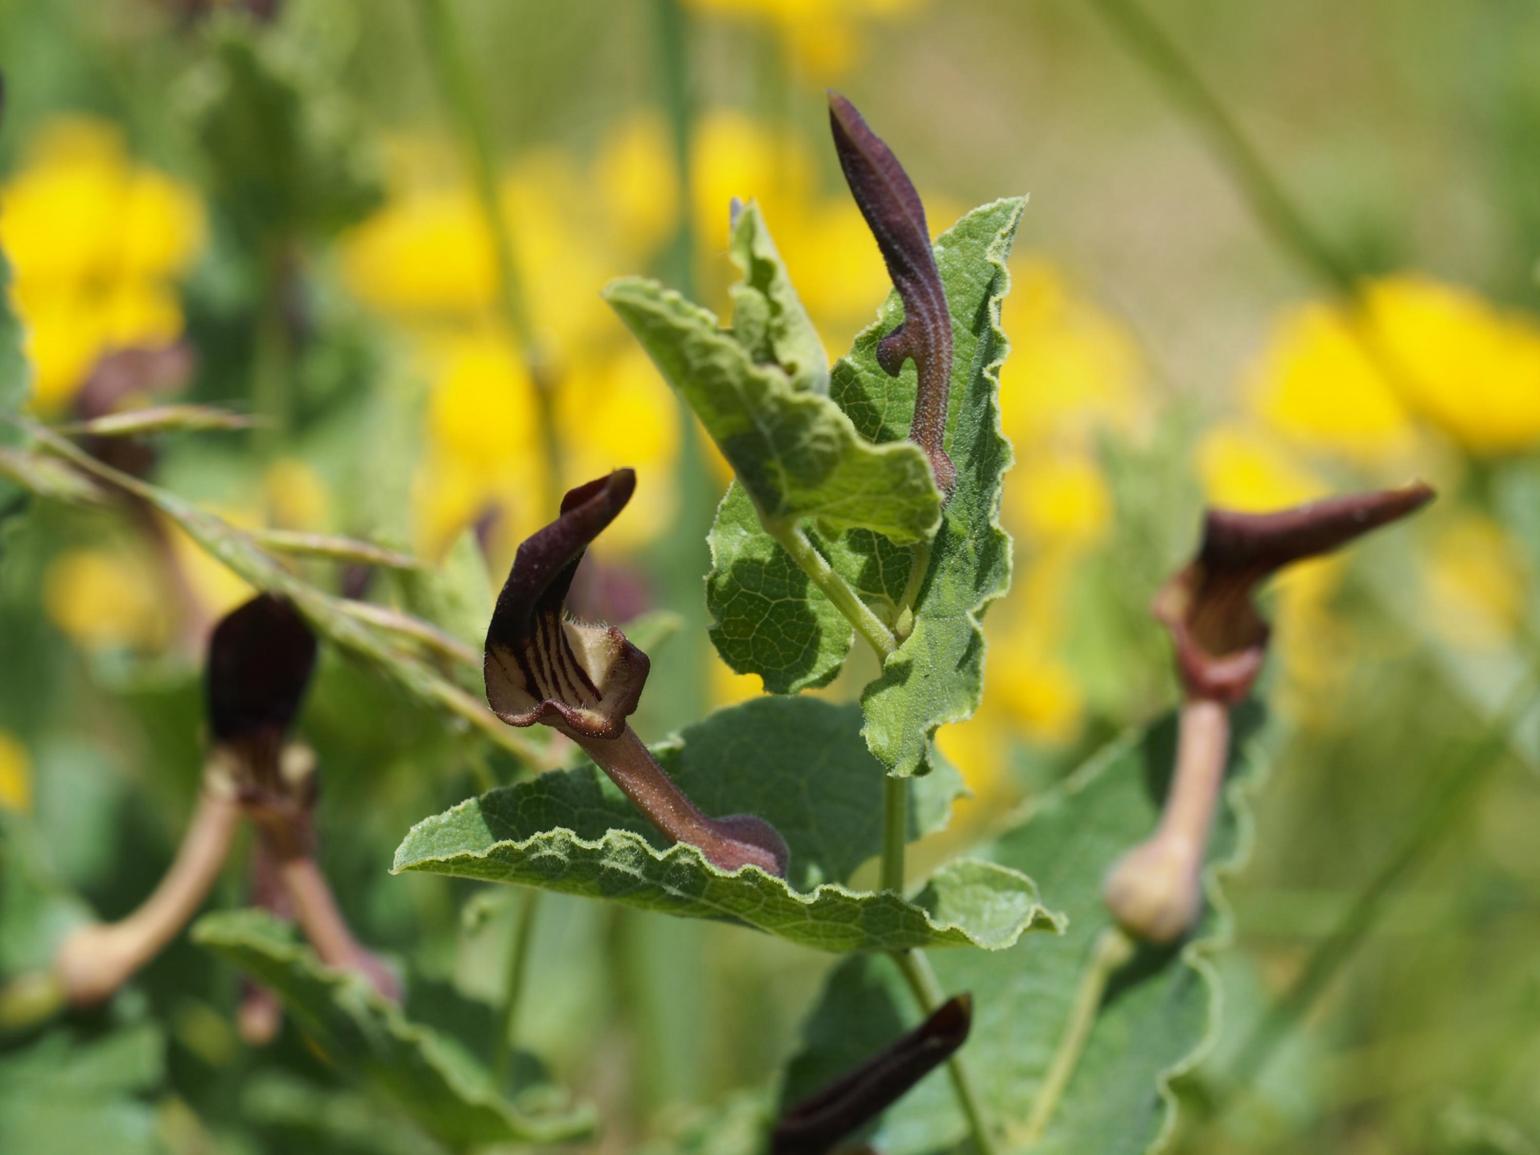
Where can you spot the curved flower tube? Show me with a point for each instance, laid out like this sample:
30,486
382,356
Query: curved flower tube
1220,641
895,214
585,680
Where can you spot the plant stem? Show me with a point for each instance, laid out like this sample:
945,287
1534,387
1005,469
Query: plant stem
919,566
915,968
794,540
1112,950
895,831
1443,807
518,969
681,556
1257,183
95,960
271,360
469,112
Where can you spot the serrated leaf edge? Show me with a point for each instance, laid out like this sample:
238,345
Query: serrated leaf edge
549,841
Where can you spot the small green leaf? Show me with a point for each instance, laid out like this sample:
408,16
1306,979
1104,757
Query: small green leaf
159,419
767,618
1156,1023
330,547
571,832
795,453
768,318
408,1067
771,621
936,675
48,478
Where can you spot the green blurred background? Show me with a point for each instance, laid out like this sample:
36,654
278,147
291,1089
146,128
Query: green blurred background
297,204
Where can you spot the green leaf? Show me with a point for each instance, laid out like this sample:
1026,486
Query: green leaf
768,318
48,478
424,1075
936,675
160,419
1155,1023
798,763
771,621
77,1090
456,594
793,450
767,618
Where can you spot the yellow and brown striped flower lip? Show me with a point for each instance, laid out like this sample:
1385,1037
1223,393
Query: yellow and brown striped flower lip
541,666
1219,636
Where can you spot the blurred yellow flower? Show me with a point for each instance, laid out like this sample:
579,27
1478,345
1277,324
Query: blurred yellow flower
295,495
822,36
1467,367
105,599
734,155
1476,583
1317,383
1060,498
15,775
1072,371
97,243
1246,469
728,688
1354,383
634,172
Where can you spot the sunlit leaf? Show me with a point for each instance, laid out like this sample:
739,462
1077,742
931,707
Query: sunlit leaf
797,763
1157,1017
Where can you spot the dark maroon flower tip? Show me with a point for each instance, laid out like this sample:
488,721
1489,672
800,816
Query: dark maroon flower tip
893,210
260,659
816,1124
1219,636
542,667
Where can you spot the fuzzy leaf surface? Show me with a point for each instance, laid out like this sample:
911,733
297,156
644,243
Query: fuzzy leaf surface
421,1073
936,675
794,450
798,763
770,620
1157,1017
768,318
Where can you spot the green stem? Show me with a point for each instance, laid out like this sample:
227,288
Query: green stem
919,566
915,968
679,558
1443,807
518,971
895,831
271,360
1257,183
1112,950
794,540
469,111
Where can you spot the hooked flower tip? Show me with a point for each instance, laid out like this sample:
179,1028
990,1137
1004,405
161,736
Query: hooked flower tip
1219,636
539,665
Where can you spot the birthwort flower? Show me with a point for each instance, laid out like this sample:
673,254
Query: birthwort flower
1220,638
893,210
584,680
817,1124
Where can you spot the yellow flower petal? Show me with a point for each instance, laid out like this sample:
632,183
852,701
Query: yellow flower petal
15,775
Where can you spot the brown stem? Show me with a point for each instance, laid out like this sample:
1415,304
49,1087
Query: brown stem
1155,890
94,961
728,843
316,911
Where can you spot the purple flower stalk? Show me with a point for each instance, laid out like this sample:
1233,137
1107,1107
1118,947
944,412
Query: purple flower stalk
893,211
585,680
